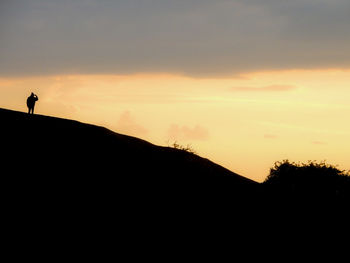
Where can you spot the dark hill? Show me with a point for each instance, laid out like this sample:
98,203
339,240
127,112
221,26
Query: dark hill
54,155
68,183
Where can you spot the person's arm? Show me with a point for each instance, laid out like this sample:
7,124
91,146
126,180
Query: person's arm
36,97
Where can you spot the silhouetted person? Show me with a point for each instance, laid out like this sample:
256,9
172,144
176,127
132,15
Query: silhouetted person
31,102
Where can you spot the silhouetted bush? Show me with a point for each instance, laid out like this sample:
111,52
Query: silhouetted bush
188,148
310,179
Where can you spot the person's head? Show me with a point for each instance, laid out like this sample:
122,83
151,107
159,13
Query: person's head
32,94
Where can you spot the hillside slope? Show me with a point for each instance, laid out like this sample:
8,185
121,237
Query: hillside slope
51,153
61,175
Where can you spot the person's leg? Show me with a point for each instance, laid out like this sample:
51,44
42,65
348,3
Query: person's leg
28,110
33,110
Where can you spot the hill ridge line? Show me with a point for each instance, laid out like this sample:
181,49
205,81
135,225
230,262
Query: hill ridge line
134,146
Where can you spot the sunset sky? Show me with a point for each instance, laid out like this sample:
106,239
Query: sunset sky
245,82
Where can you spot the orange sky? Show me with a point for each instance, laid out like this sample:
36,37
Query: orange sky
245,122
246,83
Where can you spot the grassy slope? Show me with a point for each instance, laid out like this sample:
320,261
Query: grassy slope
64,178
50,153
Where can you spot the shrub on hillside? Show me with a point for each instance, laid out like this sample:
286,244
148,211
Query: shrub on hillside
188,148
312,178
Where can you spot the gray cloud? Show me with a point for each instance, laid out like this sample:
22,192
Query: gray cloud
193,37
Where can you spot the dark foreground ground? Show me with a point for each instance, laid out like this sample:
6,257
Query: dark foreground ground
66,157
73,184
53,155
